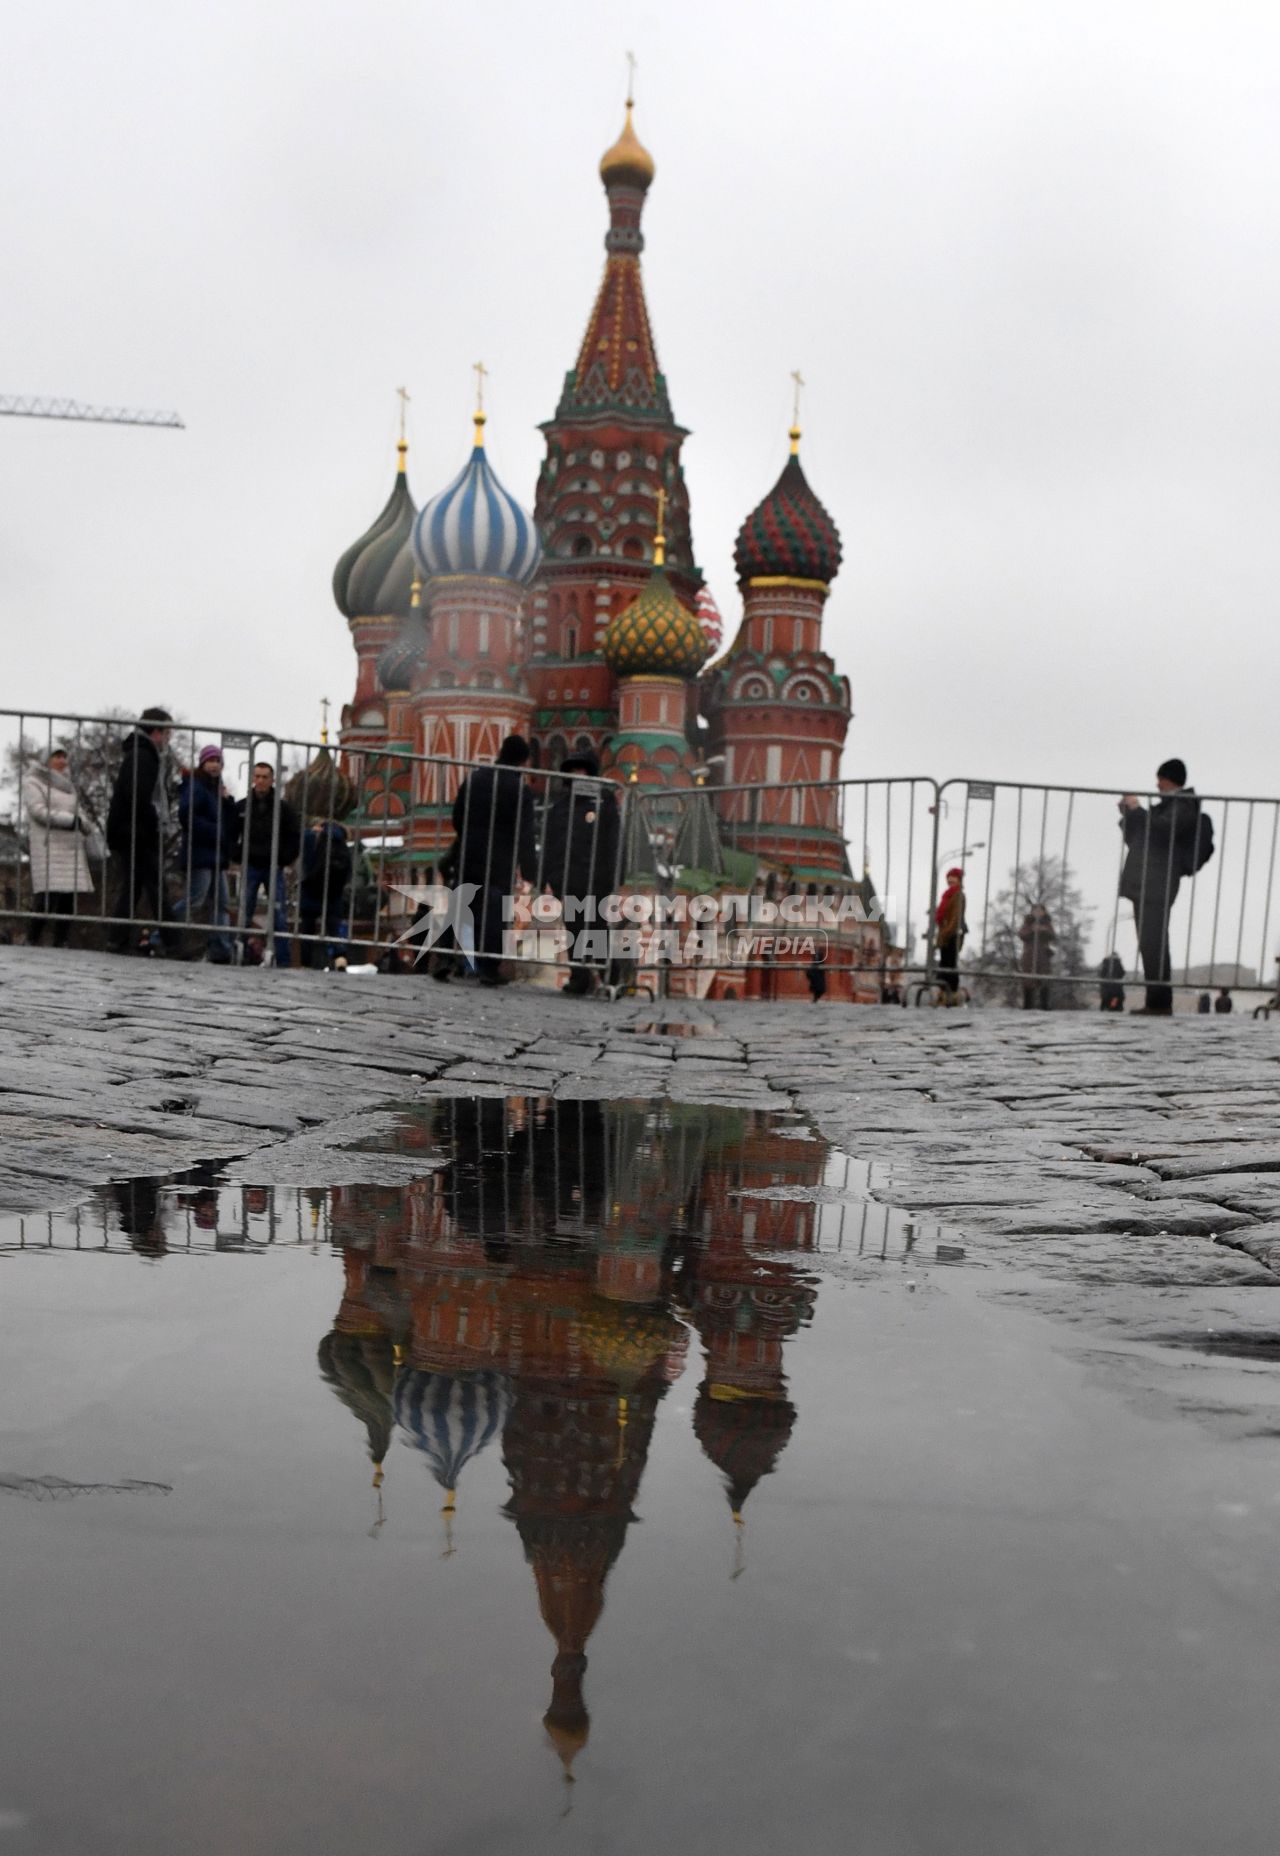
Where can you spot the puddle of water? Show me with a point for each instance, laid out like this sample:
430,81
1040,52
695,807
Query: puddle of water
559,1480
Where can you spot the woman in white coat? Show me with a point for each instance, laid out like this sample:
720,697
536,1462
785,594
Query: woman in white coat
58,835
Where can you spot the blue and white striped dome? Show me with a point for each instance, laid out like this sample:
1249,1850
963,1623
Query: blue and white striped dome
450,1417
475,527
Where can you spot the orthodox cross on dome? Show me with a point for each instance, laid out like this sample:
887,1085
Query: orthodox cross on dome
660,533
798,378
631,80
402,443
481,372
324,720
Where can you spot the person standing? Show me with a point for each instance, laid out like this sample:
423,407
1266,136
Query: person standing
137,822
324,875
1111,991
207,815
58,849
493,817
580,850
950,928
1204,1003
1164,844
1038,937
1224,1002
816,976
256,819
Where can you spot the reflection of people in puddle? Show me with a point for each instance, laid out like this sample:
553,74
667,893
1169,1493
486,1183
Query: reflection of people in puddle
140,1216
525,1293
483,1183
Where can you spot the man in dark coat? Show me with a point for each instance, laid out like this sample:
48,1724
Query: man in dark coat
1224,1001
257,816
493,817
137,820
210,828
580,849
1038,937
1111,991
324,876
1163,847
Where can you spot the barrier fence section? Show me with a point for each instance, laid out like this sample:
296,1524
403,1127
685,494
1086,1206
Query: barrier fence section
250,845
151,858
1174,888
469,863
151,836
767,884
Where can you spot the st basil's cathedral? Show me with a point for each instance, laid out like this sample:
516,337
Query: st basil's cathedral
586,624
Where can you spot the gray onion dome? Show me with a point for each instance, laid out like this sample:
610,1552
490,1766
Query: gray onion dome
374,578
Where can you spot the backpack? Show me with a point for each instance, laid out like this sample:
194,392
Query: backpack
1202,850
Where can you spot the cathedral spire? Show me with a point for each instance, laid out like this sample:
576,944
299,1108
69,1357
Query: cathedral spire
617,367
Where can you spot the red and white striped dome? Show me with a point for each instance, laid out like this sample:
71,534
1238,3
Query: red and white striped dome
709,619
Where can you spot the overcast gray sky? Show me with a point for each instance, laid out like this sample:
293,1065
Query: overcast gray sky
1025,254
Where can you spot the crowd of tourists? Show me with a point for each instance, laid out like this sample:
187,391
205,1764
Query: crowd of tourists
215,833
173,852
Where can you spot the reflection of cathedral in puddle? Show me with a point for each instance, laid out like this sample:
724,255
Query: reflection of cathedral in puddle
531,1291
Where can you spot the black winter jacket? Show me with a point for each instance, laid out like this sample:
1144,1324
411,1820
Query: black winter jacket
136,816
1162,847
493,817
580,844
255,816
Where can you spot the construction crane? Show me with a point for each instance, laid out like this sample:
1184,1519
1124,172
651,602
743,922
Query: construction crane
32,408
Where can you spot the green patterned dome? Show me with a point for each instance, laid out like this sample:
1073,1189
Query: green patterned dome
655,636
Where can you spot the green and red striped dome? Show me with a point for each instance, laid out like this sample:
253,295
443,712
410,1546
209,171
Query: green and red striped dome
789,534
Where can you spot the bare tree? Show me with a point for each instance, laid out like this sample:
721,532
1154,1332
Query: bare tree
994,971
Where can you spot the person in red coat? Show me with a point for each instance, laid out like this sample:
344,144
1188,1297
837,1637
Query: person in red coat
949,928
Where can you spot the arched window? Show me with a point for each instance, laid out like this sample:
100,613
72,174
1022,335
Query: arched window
570,641
582,544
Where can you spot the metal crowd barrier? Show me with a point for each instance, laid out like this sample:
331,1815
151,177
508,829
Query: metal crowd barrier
373,855
170,873
1024,843
818,874
469,863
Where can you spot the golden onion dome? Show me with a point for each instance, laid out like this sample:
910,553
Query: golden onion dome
628,159
655,635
